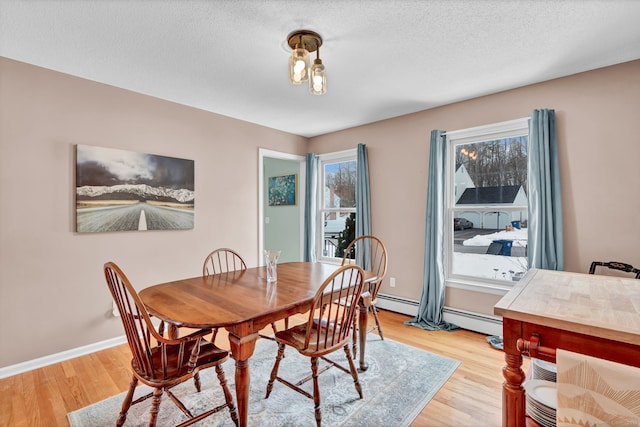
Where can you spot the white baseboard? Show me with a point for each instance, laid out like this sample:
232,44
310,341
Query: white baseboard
40,362
465,319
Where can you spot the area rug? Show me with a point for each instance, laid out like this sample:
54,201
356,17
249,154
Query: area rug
400,381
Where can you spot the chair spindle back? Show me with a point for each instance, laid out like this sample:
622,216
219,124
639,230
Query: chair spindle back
146,344
329,323
370,254
222,260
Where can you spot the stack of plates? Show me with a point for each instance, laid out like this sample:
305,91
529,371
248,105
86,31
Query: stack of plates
542,400
542,370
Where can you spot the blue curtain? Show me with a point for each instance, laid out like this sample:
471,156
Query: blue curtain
310,211
363,195
363,200
545,245
430,311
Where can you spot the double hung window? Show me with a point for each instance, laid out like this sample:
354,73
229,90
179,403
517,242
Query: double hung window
337,203
487,205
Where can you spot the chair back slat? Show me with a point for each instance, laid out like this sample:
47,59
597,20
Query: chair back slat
329,323
615,265
222,260
370,254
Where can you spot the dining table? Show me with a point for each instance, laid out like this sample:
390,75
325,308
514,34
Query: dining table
243,303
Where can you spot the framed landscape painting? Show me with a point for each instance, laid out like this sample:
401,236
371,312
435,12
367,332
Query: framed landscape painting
118,190
283,190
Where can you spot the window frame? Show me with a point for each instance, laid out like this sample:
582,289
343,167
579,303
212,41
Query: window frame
511,128
334,157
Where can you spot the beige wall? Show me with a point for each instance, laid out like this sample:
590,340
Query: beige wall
53,296
598,121
52,293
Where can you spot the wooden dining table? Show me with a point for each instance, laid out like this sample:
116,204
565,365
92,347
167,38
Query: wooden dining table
243,303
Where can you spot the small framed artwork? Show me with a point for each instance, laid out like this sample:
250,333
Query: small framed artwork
283,190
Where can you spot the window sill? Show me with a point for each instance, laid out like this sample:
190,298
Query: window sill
485,287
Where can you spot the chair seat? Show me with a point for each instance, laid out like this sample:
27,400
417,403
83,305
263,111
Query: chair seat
208,355
295,337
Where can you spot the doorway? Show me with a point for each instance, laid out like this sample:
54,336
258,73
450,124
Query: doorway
281,226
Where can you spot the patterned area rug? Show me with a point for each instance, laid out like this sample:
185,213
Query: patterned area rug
400,381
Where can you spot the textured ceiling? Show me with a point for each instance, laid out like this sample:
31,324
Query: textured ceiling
383,58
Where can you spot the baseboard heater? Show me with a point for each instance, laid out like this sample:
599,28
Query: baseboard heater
477,322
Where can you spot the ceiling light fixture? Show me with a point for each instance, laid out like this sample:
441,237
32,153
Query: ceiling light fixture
302,42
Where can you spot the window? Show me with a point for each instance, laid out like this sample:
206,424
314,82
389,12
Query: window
487,204
337,204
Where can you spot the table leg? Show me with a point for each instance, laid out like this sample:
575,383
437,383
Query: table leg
362,333
513,401
241,350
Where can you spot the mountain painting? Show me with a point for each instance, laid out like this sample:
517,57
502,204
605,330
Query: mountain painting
118,190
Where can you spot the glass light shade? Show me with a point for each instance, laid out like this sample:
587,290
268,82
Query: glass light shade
298,66
318,78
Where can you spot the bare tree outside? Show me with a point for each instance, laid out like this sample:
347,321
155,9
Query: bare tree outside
343,179
495,163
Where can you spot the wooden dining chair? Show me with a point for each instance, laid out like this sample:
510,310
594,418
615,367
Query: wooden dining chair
615,265
370,254
327,329
222,260
225,260
161,362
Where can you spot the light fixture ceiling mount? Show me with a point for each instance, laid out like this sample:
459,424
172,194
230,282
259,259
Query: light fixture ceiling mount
302,42
309,40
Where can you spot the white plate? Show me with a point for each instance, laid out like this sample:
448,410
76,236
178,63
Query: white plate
547,366
543,420
541,374
545,392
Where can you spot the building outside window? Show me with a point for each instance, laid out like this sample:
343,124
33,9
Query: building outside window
486,234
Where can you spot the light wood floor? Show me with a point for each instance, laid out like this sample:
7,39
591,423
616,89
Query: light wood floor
471,397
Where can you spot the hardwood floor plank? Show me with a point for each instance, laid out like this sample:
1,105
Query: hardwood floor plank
43,397
12,411
50,402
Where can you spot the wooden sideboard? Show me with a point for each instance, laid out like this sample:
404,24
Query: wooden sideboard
589,314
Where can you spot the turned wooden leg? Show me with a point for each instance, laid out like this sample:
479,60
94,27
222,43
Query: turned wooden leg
513,400
155,407
126,404
316,391
362,335
196,381
242,348
227,394
354,371
375,317
274,370
354,338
